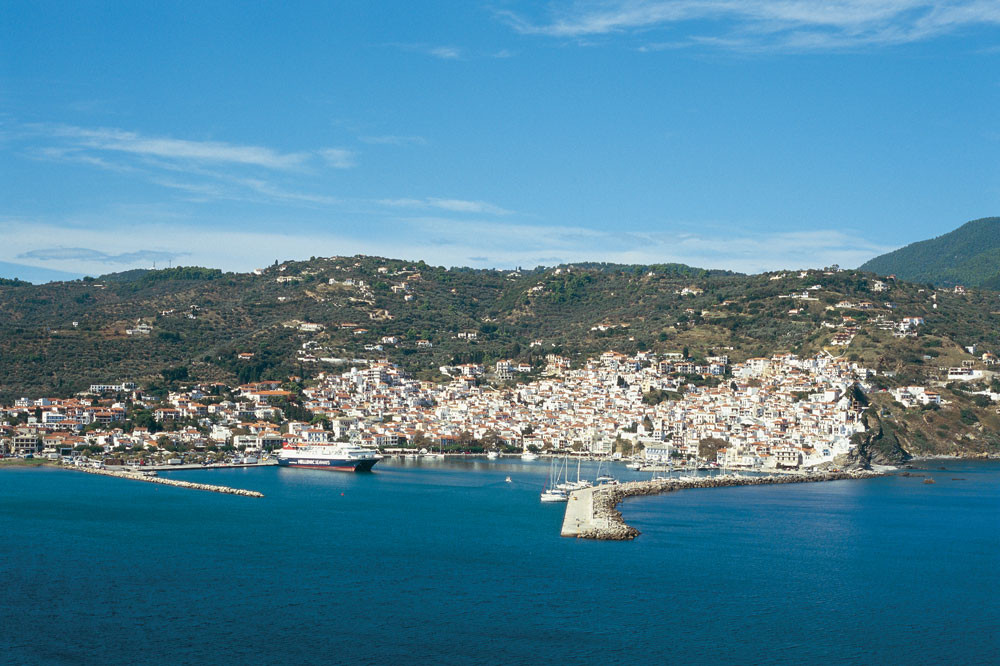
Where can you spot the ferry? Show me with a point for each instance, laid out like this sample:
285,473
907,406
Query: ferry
339,456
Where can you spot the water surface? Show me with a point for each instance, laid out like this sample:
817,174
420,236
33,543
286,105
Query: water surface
445,562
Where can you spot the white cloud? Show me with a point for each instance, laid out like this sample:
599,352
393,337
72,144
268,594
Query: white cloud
493,244
394,140
445,52
338,158
116,140
203,170
755,24
453,205
153,235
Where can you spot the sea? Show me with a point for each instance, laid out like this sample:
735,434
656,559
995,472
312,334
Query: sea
445,562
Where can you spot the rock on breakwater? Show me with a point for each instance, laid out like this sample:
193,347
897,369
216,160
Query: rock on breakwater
593,513
135,476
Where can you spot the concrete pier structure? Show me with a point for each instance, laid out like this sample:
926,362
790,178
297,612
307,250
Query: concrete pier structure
593,513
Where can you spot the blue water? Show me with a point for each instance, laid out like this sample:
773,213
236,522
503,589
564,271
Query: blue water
443,562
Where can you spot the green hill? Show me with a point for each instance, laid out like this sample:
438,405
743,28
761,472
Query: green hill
302,318
969,256
62,336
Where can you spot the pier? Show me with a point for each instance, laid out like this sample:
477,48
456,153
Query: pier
138,476
592,513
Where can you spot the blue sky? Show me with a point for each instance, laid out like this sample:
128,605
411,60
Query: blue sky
742,134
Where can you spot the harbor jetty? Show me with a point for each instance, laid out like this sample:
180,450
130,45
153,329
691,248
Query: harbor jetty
592,513
148,478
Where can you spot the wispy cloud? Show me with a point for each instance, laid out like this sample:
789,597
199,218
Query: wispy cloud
338,158
443,240
203,170
110,147
116,140
394,140
756,24
445,52
453,205
528,245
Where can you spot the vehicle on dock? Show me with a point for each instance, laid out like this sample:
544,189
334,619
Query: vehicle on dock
345,457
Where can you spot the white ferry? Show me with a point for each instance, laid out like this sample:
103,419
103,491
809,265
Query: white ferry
342,457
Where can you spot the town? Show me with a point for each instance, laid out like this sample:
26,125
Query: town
764,413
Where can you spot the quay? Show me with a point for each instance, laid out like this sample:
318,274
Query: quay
138,476
592,513
190,466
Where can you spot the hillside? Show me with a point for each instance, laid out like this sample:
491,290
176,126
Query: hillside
303,318
969,256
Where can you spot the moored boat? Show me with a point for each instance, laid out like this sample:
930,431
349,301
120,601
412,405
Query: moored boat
554,495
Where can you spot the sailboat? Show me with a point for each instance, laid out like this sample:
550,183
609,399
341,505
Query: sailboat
555,492
604,478
568,485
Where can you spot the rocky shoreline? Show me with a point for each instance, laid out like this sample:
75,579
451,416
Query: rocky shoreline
136,476
607,498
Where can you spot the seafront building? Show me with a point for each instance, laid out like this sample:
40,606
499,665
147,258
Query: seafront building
781,411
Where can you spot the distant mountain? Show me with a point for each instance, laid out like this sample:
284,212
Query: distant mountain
969,255
35,274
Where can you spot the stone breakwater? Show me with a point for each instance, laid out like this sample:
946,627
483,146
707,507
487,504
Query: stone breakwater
593,513
135,476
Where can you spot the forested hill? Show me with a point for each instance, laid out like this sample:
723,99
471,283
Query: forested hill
58,338
969,256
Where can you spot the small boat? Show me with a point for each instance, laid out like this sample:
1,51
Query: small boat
634,466
507,480
528,455
492,455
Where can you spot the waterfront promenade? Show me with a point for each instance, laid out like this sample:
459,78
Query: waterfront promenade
592,513
186,467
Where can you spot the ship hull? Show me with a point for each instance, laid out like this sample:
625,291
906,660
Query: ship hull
333,464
